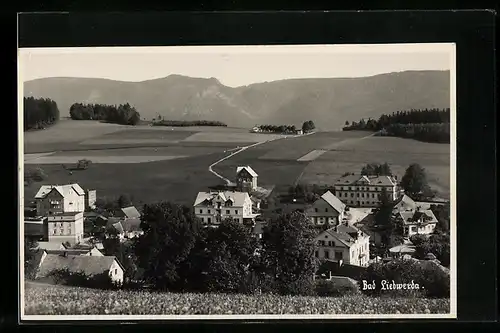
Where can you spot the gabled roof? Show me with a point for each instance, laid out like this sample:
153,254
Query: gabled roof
333,201
347,235
90,265
411,217
238,198
362,180
132,224
248,169
62,189
405,203
131,212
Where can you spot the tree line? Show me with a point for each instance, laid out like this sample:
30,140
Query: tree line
186,123
123,114
430,125
307,126
39,113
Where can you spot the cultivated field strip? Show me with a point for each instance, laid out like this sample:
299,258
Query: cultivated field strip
99,159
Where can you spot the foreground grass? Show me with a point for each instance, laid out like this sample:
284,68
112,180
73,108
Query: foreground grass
57,300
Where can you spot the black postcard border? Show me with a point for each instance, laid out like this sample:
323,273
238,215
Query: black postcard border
471,30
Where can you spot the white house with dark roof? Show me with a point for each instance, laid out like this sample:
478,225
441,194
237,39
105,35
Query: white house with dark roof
365,191
213,207
344,243
246,179
328,209
90,265
419,221
53,199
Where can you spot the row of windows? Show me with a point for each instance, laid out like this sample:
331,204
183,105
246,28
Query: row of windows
326,254
227,211
61,232
359,194
209,220
345,188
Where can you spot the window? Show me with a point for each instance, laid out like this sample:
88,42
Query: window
316,254
116,271
202,219
362,195
201,211
237,220
209,211
209,220
352,195
316,210
326,210
373,195
327,254
236,211
350,188
227,211
338,255
357,195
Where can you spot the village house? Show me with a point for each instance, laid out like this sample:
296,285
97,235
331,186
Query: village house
344,243
328,209
365,191
90,265
53,199
246,179
90,199
214,207
421,222
65,227
126,229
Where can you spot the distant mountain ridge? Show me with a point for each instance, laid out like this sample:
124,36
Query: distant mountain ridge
327,101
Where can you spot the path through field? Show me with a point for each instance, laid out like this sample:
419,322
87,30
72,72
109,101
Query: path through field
228,182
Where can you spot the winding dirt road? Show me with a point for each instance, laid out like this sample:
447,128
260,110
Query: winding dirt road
227,181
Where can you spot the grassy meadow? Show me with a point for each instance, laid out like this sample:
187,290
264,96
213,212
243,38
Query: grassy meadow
63,300
171,163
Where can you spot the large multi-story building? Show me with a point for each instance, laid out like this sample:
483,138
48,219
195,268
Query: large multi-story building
65,227
345,244
365,191
55,199
90,199
328,209
214,207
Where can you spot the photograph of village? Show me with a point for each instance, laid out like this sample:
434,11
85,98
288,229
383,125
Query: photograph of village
237,182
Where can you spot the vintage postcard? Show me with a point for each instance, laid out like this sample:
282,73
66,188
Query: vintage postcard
238,182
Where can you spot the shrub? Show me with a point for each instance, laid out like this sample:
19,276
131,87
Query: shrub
36,175
334,289
81,279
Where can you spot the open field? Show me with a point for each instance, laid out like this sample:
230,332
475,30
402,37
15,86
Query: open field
58,300
176,180
162,163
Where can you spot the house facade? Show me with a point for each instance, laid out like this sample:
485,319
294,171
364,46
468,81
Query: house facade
344,244
65,227
214,207
246,179
421,222
90,199
328,209
55,199
365,191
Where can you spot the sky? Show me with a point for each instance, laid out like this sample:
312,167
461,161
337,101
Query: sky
234,65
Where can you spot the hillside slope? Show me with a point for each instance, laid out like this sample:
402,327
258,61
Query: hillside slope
328,101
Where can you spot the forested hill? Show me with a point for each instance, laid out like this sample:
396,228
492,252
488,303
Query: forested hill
329,101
